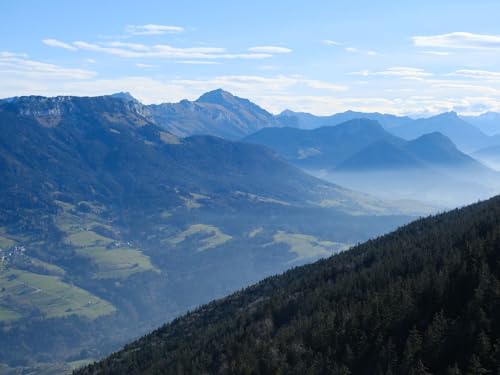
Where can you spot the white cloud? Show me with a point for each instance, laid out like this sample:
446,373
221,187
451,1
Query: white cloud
146,66
162,51
255,85
90,61
479,74
151,29
357,50
5,54
198,62
20,65
330,42
436,53
59,44
463,40
270,49
397,71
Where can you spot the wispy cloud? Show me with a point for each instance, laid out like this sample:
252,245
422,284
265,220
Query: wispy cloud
357,50
145,66
270,49
478,74
330,42
275,93
19,64
198,62
160,51
462,40
152,29
437,53
252,85
59,44
397,71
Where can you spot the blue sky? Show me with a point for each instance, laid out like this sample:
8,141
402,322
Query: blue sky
414,57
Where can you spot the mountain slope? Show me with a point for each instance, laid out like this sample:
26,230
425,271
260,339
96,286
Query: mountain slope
421,300
381,155
322,147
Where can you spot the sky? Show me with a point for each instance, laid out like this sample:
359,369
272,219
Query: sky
410,58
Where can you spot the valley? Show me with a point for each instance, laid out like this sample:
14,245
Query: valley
120,225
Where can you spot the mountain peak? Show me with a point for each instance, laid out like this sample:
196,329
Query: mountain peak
218,96
287,112
435,139
124,95
452,115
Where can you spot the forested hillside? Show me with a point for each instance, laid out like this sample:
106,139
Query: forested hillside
421,300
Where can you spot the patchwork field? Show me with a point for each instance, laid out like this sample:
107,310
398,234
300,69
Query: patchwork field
209,236
25,292
306,246
117,263
112,259
7,314
48,267
5,242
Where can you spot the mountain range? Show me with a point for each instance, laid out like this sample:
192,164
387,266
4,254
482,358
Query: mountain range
362,155
111,224
466,132
217,113
222,114
331,147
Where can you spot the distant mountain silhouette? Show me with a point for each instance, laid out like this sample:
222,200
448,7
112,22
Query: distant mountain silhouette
466,136
216,113
308,121
323,147
488,123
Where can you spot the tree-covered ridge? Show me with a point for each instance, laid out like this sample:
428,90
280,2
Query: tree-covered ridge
422,300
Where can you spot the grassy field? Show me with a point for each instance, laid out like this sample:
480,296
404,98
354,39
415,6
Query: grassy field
212,236
305,246
116,263
87,238
113,262
26,291
80,363
193,201
6,243
50,268
7,314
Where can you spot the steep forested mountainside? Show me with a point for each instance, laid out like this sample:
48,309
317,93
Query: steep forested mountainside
421,300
